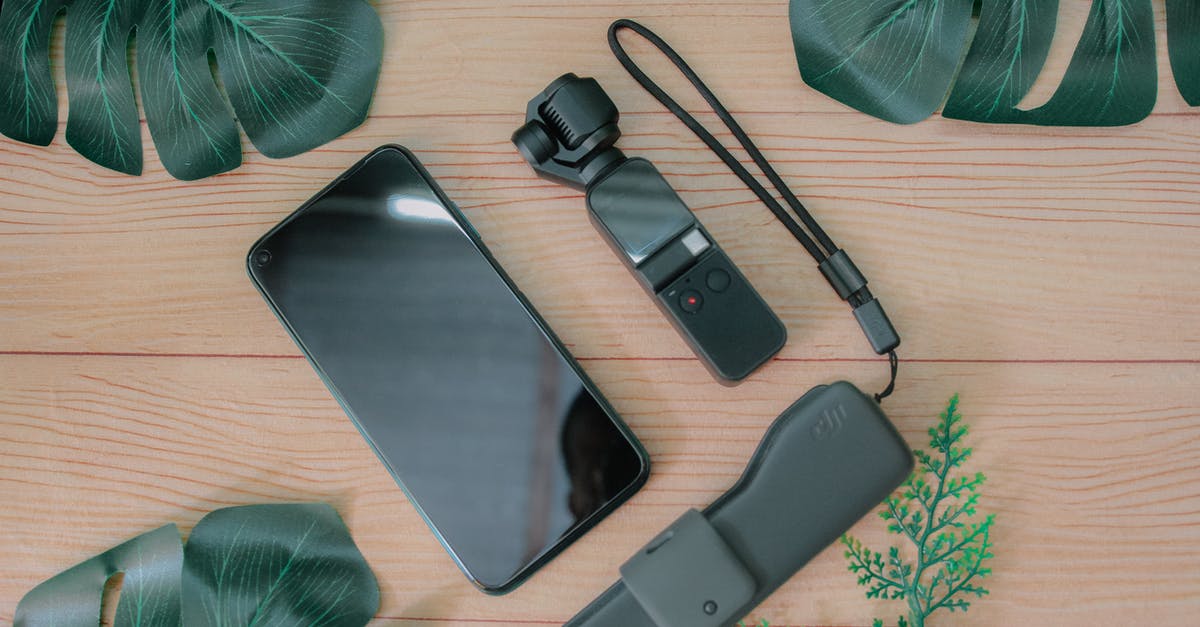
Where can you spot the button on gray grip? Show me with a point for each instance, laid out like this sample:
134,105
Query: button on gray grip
688,576
826,462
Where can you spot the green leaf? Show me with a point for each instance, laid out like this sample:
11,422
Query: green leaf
192,127
1112,78
1183,46
103,122
276,564
298,73
151,564
896,59
949,562
297,69
30,109
260,564
893,59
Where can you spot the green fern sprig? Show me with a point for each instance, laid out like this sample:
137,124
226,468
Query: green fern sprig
936,513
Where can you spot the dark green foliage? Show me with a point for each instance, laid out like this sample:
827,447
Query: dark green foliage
896,59
1112,78
1183,44
936,512
1005,58
251,565
276,565
150,591
298,73
103,122
893,59
29,107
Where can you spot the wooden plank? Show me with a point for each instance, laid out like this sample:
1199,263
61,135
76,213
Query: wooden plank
1047,274
97,261
1035,244
1091,471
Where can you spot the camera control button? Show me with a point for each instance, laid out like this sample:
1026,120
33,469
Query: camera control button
691,301
718,280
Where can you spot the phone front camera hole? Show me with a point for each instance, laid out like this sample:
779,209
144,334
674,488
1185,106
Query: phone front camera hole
262,258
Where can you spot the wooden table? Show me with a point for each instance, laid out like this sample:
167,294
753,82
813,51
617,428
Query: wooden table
1050,276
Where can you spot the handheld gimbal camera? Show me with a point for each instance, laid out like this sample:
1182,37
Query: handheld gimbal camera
570,137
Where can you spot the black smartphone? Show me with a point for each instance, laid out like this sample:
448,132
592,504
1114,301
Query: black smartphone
491,428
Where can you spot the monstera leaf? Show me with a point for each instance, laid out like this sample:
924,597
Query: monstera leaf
150,563
298,73
897,59
252,565
1183,44
276,565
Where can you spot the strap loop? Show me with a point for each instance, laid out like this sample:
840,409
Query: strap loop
834,263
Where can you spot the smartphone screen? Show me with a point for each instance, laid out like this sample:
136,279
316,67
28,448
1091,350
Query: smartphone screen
479,413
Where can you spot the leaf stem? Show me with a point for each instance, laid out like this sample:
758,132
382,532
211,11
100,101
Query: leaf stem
974,571
866,566
947,441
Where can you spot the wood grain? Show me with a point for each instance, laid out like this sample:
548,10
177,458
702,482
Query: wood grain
1049,275
1083,482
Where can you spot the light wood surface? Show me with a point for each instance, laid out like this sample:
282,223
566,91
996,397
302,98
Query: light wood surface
1050,276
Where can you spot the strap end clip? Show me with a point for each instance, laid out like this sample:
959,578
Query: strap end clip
850,284
877,327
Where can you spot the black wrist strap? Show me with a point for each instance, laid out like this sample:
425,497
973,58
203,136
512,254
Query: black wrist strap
822,465
834,263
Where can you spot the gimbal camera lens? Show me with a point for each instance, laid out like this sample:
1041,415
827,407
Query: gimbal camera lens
534,142
570,131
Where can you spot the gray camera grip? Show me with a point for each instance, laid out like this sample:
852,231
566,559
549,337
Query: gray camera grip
824,463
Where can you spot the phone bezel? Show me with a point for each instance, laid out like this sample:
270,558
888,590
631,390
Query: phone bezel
575,532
